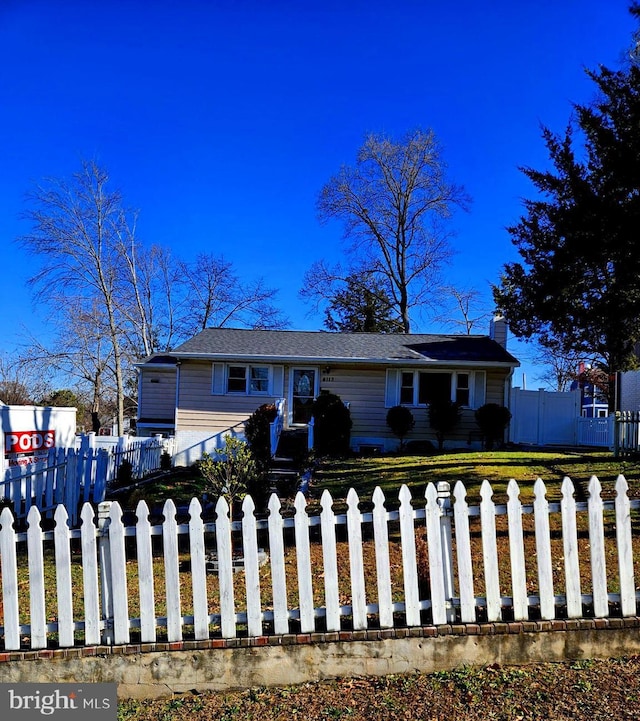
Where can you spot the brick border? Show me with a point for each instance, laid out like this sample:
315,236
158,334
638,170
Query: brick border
297,639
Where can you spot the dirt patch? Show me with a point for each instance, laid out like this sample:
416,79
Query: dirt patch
582,690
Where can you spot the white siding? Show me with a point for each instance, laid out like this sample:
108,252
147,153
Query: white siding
364,387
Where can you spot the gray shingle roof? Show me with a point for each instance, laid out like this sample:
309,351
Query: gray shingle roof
226,343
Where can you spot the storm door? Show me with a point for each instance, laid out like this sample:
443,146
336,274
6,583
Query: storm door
303,392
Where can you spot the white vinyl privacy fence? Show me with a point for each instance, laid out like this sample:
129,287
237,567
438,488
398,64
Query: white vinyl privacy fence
349,566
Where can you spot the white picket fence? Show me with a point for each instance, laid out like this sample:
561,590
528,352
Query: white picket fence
70,477
144,454
166,557
75,476
627,433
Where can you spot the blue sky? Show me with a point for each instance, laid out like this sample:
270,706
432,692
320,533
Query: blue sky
221,121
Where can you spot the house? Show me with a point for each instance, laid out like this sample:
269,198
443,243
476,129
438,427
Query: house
211,384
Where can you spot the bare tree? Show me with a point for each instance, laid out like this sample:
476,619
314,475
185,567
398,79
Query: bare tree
217,297
76,230
464,308
22,382
81,352
392,203
151,300
115,300
560,368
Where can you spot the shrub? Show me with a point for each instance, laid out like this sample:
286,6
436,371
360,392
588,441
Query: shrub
492,420
444,416
166,462
331,425
401,421
258,434
231,473
124,475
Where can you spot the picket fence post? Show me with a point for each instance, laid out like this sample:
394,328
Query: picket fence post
35,563
570,548
88,546
516,552
224,548
278,570
356,562
436,565
9,566
463,555
198,571
490,552
409,560
251,567
104,564
119,586
171,571
330,563
596,543
446,535
63,577
625,548
303,561
145,574
543,551
383,569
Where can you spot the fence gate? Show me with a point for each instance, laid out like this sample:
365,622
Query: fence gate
544,417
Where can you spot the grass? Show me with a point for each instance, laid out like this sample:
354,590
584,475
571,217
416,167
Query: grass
391,471
498,467
596,690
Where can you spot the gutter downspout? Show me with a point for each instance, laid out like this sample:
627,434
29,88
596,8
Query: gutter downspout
175,413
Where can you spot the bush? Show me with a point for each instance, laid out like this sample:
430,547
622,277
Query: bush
232,473
258,434
444,416
331,425
166,462
124,475
401,422
492,420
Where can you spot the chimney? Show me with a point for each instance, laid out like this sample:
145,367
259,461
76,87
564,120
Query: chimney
498,330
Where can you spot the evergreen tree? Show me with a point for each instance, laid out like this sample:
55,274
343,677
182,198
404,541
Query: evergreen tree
578,285
361,305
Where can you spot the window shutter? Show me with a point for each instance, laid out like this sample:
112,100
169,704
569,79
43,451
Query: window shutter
277,381
392,388
217,385
480,392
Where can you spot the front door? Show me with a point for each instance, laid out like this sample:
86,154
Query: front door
303,392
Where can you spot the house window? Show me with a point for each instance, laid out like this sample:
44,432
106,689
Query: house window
237,379
434,388
462,389
419,388
406,389
248,379
259,379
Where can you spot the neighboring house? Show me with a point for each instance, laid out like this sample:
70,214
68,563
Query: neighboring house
593,403
211,384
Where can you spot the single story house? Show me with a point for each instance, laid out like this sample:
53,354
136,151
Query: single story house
211,384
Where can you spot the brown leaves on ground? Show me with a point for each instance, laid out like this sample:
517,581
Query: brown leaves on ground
581,690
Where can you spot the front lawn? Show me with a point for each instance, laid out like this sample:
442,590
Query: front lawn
498,467
391,471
